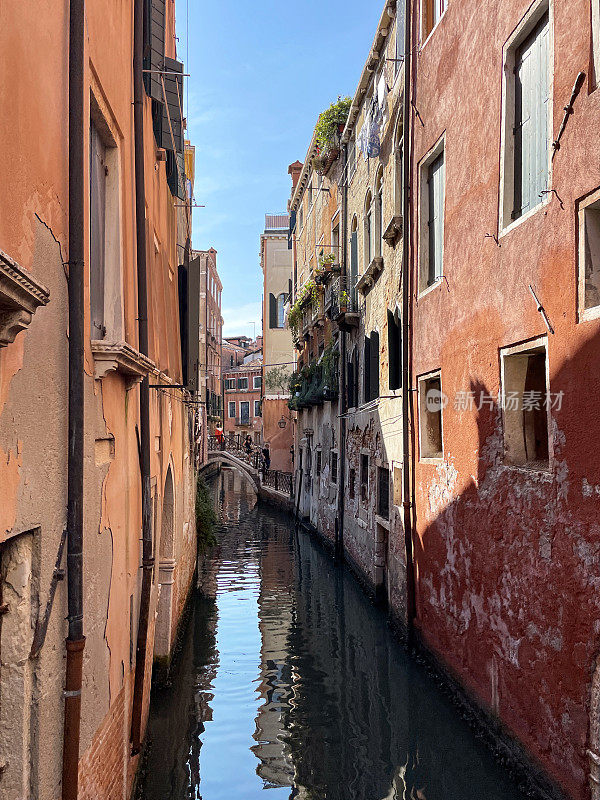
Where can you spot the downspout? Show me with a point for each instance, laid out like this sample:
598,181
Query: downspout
407,499
339,541
142,287
75,642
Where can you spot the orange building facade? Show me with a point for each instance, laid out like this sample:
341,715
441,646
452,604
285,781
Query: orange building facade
35,270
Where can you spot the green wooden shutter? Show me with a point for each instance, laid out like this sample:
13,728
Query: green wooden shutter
393,352
374,371
174,103
156,46
531,119
272,311
193,323
367,370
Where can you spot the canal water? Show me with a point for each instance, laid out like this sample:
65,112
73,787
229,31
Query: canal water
289,680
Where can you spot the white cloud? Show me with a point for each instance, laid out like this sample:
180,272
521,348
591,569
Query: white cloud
238,319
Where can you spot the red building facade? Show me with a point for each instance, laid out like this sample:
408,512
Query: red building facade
505,323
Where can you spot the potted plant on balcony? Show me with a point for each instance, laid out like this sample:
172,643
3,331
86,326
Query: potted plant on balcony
328,134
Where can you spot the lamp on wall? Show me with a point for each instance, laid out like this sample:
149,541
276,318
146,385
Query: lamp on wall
283,421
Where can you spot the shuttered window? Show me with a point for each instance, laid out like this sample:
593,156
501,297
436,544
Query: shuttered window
97,232
367,370
531,119
435,218
281,310
154,46
374,372
272,311
394,351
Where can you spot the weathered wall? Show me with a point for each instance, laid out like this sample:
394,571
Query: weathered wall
33,408
506,557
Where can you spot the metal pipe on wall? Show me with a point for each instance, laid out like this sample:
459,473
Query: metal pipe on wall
407,500
75,642
142,287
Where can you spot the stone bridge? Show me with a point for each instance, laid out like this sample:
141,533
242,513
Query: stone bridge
234,460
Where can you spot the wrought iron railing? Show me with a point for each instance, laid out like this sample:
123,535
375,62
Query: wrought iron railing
342,299
279,481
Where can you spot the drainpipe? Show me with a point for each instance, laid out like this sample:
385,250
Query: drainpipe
142,287
75,642
407,472
339,541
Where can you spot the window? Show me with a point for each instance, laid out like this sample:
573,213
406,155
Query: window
244,412
301,217
369,230
379,229
364,478
394,351
371,367
230,383
431,239
351,166
353,259
334,467
589,255
281,310
524,405
257,408
242,383
335,242
352,484
257,382
431,402
232,410
318,462
526,117
400,17
432,12
383,492
98,173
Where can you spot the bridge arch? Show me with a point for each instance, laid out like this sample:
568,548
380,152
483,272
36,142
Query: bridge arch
223,457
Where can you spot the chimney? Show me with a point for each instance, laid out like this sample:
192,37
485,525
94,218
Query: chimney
294,170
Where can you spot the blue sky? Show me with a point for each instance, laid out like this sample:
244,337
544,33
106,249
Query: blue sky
261,72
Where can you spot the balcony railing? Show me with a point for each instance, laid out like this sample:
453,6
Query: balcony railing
315,384
245,421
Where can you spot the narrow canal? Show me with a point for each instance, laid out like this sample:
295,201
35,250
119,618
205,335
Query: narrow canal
289,679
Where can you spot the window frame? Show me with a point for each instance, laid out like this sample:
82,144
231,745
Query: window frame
230,404
257,413
428,25
584,313
526,26
438,149
422,381
540,344
241,388
246,402
259,379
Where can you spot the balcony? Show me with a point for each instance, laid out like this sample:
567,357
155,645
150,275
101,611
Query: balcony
341,304
242,422
317,383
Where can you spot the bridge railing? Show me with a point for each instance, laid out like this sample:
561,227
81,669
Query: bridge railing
280,481
275,479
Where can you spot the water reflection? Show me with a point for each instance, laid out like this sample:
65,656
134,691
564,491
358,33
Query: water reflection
289,680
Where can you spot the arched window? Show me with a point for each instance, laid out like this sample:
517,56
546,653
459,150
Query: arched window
379,229
369,230
281,310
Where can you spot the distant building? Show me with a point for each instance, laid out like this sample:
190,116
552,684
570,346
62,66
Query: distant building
211,329
276,264
242,388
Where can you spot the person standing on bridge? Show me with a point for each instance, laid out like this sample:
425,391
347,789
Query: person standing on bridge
266,456
248,444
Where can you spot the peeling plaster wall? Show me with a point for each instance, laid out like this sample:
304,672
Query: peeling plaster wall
507,558
33,413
